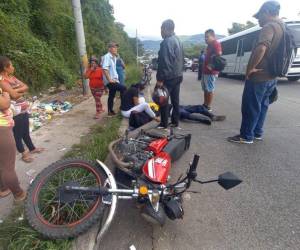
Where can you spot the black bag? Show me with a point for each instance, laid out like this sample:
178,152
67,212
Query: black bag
138,119
274,96
218,63
283,56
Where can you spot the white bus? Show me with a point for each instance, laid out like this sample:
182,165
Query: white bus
237,49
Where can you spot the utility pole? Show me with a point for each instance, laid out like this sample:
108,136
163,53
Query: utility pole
80,42
137,48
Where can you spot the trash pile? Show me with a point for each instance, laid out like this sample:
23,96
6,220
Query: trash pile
41,112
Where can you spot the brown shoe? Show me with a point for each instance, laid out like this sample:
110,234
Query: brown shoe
5,193
111,114
20,197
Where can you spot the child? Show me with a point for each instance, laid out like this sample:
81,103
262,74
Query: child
95,75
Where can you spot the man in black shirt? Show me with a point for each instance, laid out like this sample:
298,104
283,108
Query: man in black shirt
169,71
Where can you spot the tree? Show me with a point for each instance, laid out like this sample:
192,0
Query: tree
237,27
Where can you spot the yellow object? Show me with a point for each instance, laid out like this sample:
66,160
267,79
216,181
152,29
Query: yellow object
154,106
143,190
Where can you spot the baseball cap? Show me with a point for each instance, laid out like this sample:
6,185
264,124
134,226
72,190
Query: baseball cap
113,44
268,7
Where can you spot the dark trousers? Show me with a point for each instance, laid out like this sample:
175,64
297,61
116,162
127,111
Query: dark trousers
21,132
255,105
199,109
173,87
113,88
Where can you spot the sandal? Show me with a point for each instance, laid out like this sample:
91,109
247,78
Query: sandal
26,158
5,193
37,151
20,197
97,116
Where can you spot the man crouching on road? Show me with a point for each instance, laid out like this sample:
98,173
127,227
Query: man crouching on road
260,83
169,71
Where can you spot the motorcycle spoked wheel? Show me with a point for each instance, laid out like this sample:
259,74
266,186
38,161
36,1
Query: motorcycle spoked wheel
60,215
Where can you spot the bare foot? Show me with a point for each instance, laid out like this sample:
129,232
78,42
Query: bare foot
37,151
157,119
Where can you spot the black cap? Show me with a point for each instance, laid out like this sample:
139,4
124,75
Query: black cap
113,44
271,7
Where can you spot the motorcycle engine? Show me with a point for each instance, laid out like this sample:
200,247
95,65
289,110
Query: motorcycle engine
134,151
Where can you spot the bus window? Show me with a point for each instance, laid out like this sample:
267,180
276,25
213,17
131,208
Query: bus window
229,47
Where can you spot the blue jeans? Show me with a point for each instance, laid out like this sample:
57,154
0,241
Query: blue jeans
255,105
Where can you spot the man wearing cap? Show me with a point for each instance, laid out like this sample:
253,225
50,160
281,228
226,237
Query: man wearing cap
169,71
111,76
260,83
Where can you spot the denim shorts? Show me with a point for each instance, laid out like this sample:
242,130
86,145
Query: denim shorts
208,83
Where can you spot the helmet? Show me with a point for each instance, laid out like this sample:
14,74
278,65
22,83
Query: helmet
160,96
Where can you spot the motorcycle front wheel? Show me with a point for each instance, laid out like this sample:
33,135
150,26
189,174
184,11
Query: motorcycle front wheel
58,214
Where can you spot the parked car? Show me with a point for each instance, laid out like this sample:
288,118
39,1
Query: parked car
195,65
187,64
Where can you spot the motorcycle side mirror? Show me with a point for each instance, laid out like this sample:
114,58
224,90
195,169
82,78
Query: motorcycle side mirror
228,180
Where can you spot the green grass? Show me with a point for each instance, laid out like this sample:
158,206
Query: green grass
16,234
133,74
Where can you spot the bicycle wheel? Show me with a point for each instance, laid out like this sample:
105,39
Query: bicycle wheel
58,214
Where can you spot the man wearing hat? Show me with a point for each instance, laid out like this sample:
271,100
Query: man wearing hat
260,83
111,76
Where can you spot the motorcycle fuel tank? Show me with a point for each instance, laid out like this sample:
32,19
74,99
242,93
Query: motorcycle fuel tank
157,145
157,168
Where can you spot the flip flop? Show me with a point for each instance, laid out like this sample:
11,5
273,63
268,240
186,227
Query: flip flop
5,193
27,159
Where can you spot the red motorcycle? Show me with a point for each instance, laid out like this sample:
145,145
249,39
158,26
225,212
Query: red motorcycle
71,195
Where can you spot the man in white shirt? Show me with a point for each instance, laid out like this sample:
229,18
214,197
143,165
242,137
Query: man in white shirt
111,76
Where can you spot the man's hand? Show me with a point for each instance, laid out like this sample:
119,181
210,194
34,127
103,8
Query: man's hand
113,81
251,71
159,84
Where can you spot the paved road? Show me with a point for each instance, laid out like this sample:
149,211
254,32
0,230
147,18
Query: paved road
262,213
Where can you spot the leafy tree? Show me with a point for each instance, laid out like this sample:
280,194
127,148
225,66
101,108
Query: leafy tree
39,37
237,27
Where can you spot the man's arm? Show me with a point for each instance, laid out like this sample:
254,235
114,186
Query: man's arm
161,63
264,42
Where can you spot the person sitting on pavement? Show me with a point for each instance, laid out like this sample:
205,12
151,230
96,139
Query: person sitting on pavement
198,113
9,182
95,75
130,102
17,90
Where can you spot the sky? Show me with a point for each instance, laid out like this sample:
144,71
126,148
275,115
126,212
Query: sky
191,16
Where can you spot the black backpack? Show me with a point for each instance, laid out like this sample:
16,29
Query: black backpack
138,119
283,56
218,63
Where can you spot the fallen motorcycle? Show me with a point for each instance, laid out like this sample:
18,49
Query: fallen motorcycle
71,195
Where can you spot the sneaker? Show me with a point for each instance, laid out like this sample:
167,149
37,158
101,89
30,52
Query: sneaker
258,138
239,139
209,109
111,114
218,118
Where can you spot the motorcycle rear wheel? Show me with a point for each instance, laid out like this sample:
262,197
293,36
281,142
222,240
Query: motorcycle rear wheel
60,215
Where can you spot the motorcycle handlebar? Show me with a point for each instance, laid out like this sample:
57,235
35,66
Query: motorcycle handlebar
194,164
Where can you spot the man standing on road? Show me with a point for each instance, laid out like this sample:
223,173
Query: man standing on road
260,83
169,72
209,75
111,76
